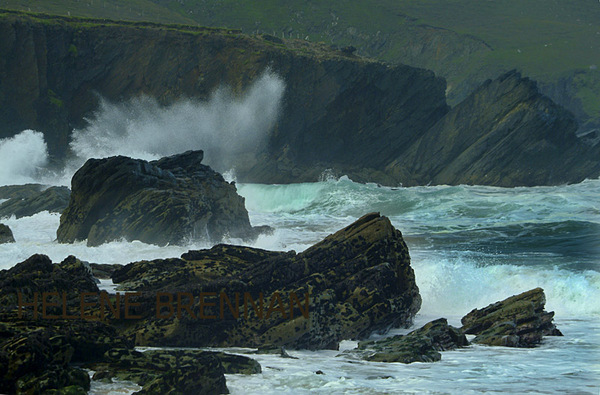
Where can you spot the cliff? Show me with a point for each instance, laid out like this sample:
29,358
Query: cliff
340,113
52,70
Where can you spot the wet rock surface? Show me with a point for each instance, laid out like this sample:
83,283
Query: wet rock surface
168,201
519,321
45,352
352,283
421,345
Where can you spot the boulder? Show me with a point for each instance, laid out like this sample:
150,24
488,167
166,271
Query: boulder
421,345
168,201
352,283
519,321
53,199
6,235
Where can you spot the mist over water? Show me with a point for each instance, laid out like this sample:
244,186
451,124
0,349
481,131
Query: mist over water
227,127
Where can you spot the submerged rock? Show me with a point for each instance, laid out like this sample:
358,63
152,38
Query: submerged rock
352,283
53,199
519,321
421,345
168,201
6,235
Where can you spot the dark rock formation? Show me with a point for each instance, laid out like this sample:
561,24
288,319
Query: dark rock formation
44,353
170,200
104,270
6,235
421,345
53,199
506,134
519,321
37,350
358,280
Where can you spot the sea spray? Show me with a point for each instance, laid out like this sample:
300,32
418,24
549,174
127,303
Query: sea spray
225,126
22,158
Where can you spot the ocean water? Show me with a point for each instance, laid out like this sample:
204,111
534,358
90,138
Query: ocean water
469,245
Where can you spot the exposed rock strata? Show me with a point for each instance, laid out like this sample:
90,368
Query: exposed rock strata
332,104
371,121
519,321
171,200
359,280
506,134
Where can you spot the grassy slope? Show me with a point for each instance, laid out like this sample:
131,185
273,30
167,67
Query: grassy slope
546,39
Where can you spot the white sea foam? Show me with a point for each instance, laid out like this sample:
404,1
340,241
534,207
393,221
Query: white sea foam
23,158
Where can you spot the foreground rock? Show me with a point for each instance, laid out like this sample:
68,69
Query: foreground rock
173,371
354,282
6,235
53,199
421,345
43,352
519,321
38,350
168,201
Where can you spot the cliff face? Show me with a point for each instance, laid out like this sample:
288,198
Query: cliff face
340,113
52,71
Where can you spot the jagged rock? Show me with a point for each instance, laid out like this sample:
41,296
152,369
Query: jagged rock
519,321
6,235
39,274
359,280
53,199
171,200
421,345
37,355
505,133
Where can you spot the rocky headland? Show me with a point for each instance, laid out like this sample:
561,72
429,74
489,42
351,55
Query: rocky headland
371,121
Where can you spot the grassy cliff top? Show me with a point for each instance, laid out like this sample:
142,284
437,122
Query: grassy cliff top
537,36
266,41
